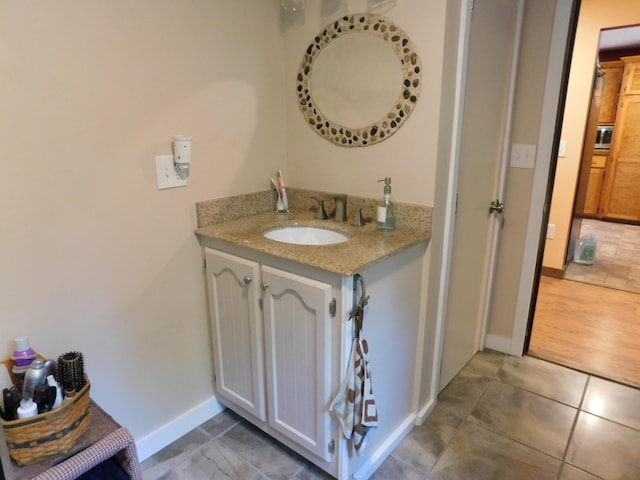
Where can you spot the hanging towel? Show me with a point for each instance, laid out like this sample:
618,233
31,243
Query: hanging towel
355,406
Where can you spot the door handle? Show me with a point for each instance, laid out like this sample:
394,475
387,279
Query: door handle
496,206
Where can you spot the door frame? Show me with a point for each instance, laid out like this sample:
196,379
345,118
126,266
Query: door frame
560,52
565,20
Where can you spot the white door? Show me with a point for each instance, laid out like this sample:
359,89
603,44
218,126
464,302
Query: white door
236,327
298,346
493,46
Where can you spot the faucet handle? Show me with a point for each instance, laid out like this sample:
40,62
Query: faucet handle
321,213
358,219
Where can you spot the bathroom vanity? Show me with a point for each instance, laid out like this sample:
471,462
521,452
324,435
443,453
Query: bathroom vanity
281,330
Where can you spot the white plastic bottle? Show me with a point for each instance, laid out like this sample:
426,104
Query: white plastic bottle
27,408
585,252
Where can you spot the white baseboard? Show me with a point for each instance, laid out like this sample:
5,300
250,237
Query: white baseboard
424,412
384,450
169,432
499,344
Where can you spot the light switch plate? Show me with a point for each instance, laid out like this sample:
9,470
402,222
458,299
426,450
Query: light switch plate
522,156
562,148
166,174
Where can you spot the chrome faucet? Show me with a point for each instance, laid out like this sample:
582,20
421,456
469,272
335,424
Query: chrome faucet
340,214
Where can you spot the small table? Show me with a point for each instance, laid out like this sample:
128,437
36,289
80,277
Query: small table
104,439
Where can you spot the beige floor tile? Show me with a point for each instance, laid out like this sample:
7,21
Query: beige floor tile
173,454
618,250
572,473
544,378
613,401
310,472
605,449
261,451
487,363
527,417
462,393
214,462
425,443
479,454
393,469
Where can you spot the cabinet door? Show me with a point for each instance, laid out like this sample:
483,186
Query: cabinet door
596,175
623,176
609,99
632,77
236,328
298,346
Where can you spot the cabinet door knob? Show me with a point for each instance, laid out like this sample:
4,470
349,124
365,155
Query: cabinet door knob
247,279
265,285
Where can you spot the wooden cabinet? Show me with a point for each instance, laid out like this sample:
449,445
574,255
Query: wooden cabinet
609,99
621,196
594,188
631,85
296,340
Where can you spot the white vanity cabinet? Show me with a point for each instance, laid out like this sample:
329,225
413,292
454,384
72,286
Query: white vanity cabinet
283,348
281,339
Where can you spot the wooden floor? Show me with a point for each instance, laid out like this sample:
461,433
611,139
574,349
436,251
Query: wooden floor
589,328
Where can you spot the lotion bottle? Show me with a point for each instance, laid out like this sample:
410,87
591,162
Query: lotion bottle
27,409
386,214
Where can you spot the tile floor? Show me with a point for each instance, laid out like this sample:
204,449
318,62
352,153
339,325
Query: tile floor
617,263
500,418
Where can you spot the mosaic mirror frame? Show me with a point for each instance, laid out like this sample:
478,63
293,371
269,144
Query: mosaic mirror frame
376,132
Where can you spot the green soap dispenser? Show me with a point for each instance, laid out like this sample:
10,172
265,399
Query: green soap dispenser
386,208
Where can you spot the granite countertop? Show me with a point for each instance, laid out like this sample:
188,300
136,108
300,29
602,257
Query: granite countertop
366,246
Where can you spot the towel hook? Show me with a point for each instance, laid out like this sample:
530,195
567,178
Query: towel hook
358,308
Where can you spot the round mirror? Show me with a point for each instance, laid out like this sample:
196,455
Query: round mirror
359,80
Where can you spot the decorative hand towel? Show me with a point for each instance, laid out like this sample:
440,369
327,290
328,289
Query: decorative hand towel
342,406
366,412
355,406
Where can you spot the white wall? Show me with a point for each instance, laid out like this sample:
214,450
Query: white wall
409,156
93,257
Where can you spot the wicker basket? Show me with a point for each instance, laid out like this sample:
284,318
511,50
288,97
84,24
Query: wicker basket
50,433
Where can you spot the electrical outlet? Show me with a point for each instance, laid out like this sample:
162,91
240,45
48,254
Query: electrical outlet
166,174
551,230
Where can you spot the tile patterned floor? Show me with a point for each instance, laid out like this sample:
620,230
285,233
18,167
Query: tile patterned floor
617,263
500,418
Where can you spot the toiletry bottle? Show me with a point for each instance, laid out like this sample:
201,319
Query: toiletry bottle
386,208
35,376
27,408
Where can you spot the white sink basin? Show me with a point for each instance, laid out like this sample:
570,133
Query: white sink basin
301,235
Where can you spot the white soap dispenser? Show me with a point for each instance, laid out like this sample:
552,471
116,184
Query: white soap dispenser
386,217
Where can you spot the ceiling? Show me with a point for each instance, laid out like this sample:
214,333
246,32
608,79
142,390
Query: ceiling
619,38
